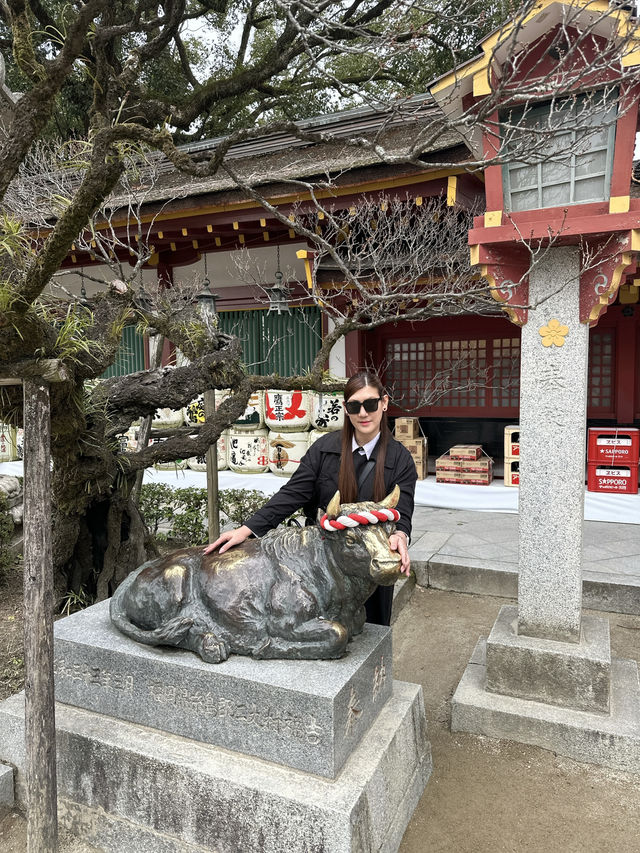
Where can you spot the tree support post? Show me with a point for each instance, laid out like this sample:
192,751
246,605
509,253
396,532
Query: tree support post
40,737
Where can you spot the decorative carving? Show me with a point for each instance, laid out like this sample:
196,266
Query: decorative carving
553,334
354,712
507,271
295,593
604,265
379,678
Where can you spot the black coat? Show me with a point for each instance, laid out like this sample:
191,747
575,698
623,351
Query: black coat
315,482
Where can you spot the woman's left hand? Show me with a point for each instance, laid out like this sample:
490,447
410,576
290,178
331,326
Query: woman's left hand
398,542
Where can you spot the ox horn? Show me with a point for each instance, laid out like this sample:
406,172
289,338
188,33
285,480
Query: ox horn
333,507
391,499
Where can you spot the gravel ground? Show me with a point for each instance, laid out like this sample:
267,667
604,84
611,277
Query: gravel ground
484,796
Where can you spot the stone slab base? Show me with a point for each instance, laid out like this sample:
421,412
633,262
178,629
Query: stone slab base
297,713
614,593
402,592
612,740
574,675
6,785
128,787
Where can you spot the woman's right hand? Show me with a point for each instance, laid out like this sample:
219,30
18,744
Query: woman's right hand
229,539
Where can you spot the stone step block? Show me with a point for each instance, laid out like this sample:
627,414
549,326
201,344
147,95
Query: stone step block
572,675
127,787
6,786
305,714
612,740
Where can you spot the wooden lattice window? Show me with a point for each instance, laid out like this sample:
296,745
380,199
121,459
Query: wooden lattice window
601,371
438,372
505,384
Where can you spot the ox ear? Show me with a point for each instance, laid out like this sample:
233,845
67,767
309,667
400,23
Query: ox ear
333,507
391,499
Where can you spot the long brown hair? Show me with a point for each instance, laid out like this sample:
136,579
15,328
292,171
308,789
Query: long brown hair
347,483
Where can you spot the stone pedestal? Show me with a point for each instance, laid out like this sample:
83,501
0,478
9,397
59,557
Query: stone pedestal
545,674
6,785
572,675
159,751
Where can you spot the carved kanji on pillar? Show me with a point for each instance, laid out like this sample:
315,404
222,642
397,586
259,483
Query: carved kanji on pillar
604,267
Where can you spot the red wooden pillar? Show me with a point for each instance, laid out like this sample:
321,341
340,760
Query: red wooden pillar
626,367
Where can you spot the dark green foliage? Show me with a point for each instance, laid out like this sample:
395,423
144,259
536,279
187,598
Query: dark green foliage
238,504
184,511
189,524
7,557
156,505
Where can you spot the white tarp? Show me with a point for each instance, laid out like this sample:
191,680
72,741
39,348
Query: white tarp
598,506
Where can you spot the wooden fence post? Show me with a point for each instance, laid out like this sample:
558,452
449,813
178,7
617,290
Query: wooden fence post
42,813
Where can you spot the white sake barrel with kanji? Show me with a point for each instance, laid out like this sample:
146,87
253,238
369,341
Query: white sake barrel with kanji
193,414
167,419
180,464
199,463
8,449
129,440
287,411
248,452
327,411
253,417
286,449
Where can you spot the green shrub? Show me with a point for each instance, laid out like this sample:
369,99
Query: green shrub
189,523
8,558
236,505
185,510
156,505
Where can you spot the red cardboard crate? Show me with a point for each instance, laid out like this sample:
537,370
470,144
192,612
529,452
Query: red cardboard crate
511,441
512,472
466,451
621,479
617,445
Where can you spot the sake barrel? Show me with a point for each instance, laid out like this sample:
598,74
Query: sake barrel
167,419
315,434
286,449
129,440
169,466
248,453
253,417
327,411
8,450
193,414
199,463
287,411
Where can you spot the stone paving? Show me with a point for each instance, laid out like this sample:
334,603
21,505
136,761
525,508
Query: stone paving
466,551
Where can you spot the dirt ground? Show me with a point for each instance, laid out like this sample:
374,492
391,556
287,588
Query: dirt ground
484,796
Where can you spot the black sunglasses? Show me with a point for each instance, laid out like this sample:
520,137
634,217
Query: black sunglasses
370,405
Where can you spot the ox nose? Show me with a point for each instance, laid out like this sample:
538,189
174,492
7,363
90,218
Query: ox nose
386,568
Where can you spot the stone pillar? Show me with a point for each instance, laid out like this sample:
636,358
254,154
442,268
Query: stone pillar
545,675
553,405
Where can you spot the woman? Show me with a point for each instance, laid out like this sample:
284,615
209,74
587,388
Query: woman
363,463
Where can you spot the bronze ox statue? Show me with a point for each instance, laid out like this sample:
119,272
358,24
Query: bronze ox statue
294,593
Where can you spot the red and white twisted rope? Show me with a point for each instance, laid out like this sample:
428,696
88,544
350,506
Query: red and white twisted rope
353,519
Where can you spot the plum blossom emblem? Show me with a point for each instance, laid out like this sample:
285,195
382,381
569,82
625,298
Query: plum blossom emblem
553,334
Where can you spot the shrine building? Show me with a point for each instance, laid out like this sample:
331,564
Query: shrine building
198,225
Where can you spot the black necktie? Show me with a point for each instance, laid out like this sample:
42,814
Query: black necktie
359,460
